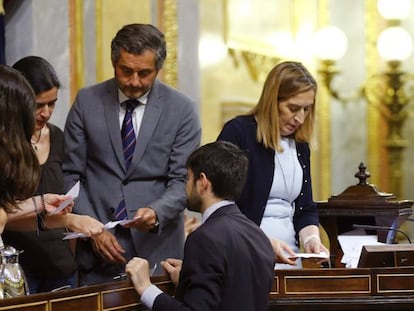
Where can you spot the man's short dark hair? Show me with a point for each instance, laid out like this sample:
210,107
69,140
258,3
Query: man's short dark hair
224,164
136,39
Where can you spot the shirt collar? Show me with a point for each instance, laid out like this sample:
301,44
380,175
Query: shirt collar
143,99
212,208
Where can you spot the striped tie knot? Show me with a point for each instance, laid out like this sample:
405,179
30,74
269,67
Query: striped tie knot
130,105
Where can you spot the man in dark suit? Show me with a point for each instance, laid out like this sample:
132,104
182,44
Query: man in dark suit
138,174
228,261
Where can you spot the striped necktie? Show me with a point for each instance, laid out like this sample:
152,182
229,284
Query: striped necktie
127,132
128,144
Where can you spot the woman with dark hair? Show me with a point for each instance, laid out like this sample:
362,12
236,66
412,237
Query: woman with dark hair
47,260
19,167
276,133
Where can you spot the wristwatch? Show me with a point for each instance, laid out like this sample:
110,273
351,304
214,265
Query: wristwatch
156,227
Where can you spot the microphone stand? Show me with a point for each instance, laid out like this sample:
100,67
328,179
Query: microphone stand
382,228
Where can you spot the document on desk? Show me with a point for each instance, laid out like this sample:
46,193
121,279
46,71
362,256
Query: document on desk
73,193
352,246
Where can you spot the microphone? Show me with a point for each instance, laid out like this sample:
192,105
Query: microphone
382,228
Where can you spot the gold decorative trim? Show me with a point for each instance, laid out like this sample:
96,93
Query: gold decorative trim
76,45
331,292
257,64
98,44
33,304
277,283
397,276
377,167
321,162
97,294
170,71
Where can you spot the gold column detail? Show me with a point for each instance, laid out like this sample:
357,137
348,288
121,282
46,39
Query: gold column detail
98,44
77,79
170,28
375,150
321,160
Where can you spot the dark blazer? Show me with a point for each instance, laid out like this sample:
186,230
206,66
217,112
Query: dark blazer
228,265
169,132
241,131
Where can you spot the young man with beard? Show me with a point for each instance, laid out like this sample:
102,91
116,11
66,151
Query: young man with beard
228,261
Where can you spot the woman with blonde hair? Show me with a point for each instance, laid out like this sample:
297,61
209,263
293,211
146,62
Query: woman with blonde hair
276,133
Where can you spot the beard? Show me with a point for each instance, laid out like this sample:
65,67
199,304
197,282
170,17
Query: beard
194,202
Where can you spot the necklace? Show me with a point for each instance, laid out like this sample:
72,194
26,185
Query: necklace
34,144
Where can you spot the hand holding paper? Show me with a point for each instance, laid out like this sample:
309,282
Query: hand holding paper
109,225
321,255
73,193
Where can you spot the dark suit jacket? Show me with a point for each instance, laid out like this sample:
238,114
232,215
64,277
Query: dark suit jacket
169,132
241,131
228,265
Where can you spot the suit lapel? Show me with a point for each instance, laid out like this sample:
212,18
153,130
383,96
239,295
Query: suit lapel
110,103
149,122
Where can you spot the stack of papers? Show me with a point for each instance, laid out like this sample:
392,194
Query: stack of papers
352,246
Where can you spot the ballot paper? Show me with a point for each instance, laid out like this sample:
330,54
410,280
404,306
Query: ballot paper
321,255
107,226
73,193
352,246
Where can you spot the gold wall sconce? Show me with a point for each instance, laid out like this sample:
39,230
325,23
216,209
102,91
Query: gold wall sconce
388,91
257,64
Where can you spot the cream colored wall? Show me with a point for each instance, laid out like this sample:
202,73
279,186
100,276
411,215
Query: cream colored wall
220,81
115,14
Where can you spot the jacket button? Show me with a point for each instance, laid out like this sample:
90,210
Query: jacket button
125,182
306,180
301,208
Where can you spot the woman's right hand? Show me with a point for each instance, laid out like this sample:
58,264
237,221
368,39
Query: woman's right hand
85,224
283,252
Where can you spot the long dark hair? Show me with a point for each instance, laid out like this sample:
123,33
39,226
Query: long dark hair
19,167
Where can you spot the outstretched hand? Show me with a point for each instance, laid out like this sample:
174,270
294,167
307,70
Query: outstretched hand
283,253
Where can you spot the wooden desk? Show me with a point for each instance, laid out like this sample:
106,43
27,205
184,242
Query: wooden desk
358,200
304,289
343,289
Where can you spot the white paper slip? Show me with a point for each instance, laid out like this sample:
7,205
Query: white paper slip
107,226
112,224
73,193
74,235
322,255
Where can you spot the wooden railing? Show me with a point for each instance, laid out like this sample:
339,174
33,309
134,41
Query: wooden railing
301,289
